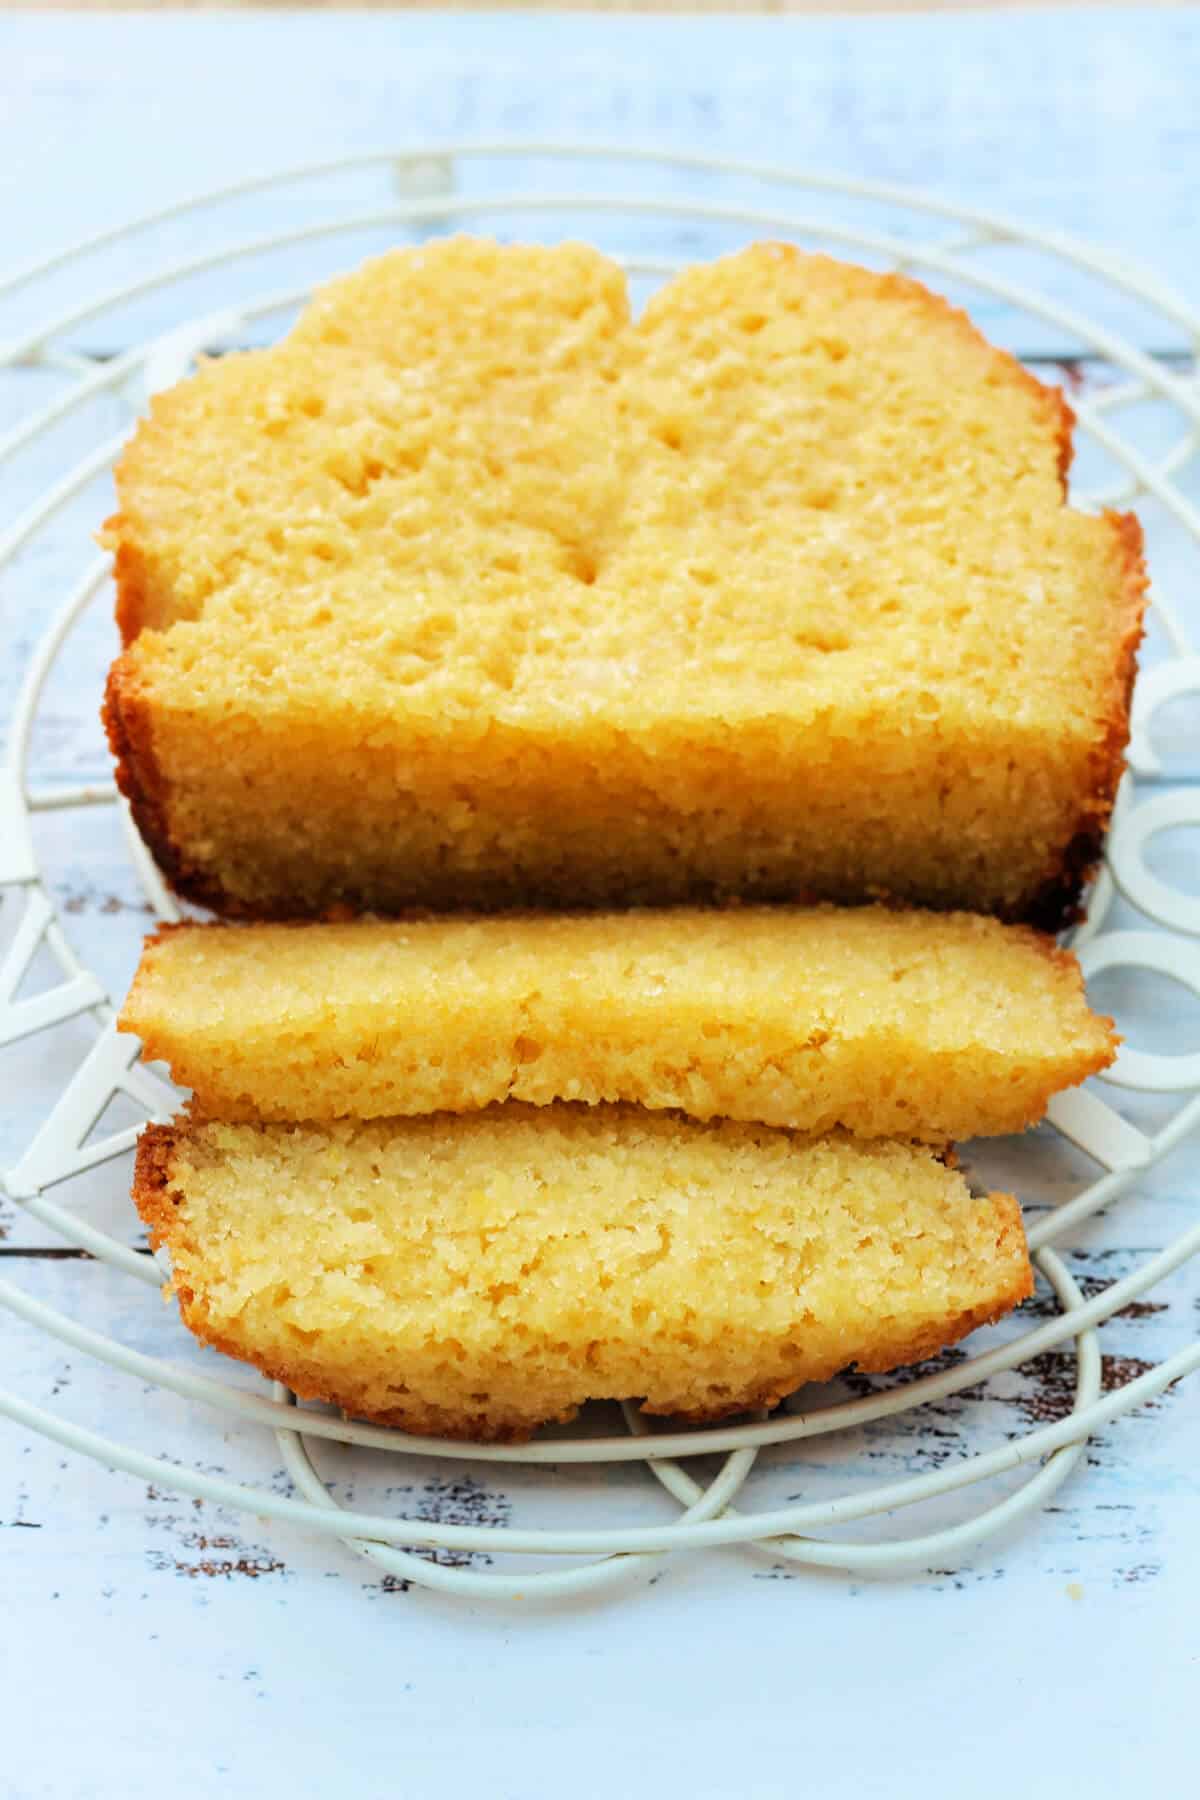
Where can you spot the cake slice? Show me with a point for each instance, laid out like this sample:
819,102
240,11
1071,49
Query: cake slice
478,1277
474,593
923,1025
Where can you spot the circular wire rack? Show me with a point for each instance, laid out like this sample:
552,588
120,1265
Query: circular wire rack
691,205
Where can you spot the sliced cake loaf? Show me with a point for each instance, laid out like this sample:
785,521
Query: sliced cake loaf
474,593
923,1025
477,1277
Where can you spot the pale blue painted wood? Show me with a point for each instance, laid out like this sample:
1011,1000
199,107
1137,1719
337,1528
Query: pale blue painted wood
150,1646
1085,121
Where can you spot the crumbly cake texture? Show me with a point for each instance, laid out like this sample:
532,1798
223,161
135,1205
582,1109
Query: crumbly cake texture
891,1024
477,1277
473,593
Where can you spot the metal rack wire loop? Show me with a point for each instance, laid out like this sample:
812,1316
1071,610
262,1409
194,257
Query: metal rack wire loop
431,191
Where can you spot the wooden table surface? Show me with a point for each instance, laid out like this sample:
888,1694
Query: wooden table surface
150,1645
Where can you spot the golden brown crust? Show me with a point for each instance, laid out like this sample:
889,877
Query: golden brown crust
1056,903
127,727
127,724
423,1420
1010,1244
155,1205
151,1196
159,1212
129,575
126,721
373,1032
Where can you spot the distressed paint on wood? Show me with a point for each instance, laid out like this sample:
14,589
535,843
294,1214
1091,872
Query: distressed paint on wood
150,1641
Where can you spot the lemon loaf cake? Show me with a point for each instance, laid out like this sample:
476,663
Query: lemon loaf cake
480,1276
474,593
926,1025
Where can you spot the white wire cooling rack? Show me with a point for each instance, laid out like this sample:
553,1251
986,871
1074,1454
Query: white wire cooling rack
675,201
